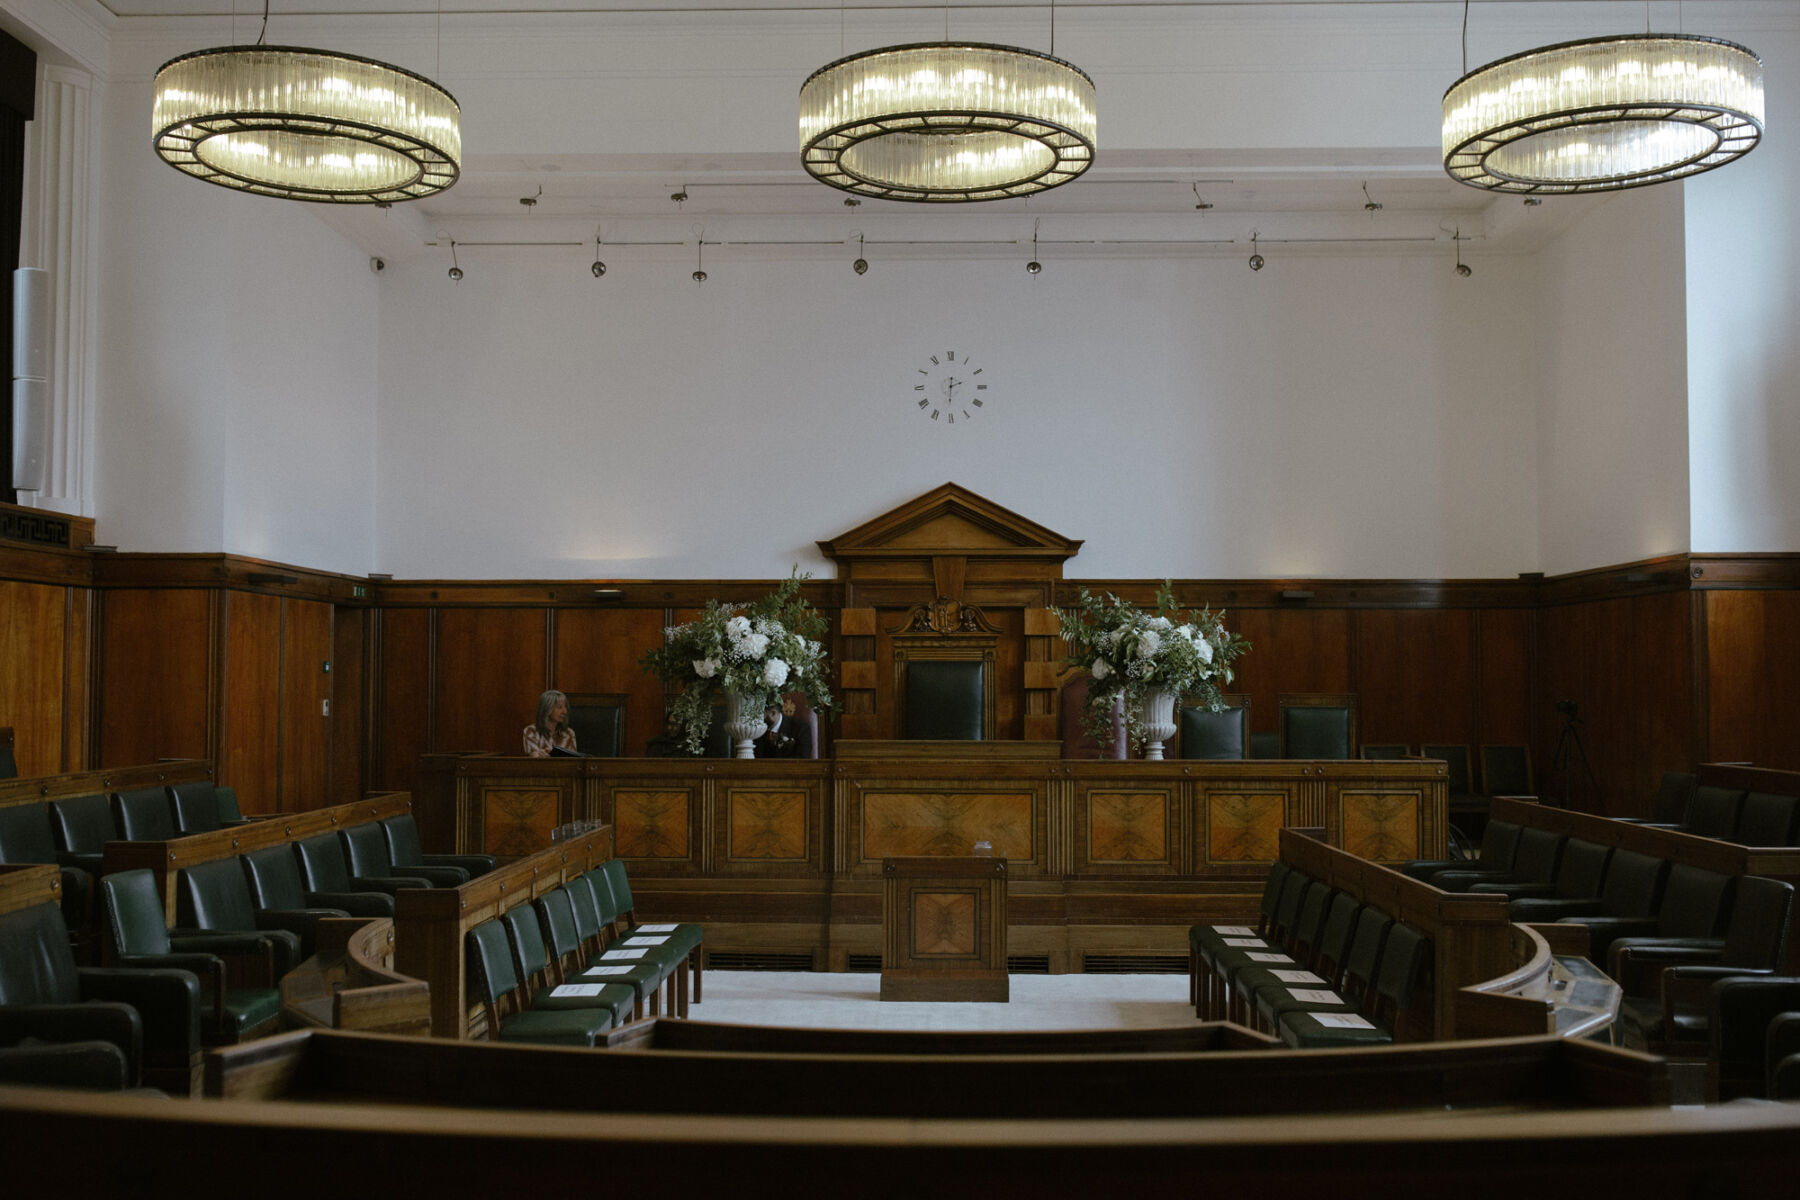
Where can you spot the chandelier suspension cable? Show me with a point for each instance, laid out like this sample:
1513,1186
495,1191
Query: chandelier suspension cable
1465,38
264,34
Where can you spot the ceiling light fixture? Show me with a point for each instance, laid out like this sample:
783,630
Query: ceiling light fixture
304,124
1370,204
1034,266
456,271
1200,202
679,197
947,122
1462,268
1603,114
530,202
861,265
699,261
599,268
1256,259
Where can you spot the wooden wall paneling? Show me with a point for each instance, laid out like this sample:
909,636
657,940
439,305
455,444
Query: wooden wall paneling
1504,651
306,647
491,665
1292,650
1751,649
597,650
1009,665
250,750
78,747
350,722
156,677
1416,676
33,671
1661,698
402,711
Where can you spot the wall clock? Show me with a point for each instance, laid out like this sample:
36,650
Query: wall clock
949,387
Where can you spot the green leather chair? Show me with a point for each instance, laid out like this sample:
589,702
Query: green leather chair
82,826
946,700
143,814
1316,724
215,898
1404,958
494,978
134,918
683,941
196,807
402,835
25,838
273,877
324,868
1205,941
1205,734
646,970
366,850
544,990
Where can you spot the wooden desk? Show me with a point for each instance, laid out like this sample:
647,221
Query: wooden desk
943,929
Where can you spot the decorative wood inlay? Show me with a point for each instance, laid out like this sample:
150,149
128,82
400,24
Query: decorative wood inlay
1382,826
518,821
768,825
651,824
944,924
1128,827
1244,826
938,824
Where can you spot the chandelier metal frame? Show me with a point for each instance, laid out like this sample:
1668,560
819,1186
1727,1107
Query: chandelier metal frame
182,125
823,151
1469,159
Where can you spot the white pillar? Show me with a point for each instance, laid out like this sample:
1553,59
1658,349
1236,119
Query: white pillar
57,234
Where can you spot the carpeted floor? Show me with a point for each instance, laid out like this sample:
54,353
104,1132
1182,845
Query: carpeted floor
822,1000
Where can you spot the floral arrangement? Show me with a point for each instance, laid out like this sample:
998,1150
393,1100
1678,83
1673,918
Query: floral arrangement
1130,652
759,651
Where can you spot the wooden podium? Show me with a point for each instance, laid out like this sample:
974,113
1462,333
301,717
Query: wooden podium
943,929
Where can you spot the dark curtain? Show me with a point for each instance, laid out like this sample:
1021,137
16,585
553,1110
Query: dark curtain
18,93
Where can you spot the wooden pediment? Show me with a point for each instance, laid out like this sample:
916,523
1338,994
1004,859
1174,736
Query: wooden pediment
950,520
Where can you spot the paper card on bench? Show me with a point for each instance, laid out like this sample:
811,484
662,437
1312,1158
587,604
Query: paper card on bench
625,954
621,969
564,990
1258,943
1341,1020
656,928
1298,977
1235,930
1270,956
642,941
1311,996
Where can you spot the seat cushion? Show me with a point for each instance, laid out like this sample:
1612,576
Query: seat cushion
248,1008
575,1028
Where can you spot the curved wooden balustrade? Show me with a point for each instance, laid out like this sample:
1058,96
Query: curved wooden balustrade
351,983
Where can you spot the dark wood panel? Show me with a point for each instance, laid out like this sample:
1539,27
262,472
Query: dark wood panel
156,666
349,703
597,650
403,698
249,758
491,666
1415,676
1292,650
306,649
78,665
1504,702
33,649
1752,646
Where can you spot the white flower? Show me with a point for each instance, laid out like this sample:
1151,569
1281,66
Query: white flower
737,627
1102,669
755,644
775,673
1161,623
1204,649
706,668
1149,642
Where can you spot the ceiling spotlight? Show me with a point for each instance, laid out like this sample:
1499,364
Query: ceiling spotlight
1370,204
852,202
1201,204
1034,266
455,268
1532,201
531,201
1256,260
599,268
681,196
1462,268
699,259
384,205
861,265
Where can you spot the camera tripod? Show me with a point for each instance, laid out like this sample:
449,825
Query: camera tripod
1569,747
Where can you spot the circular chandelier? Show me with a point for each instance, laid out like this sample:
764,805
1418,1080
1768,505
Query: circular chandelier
306,125
942,122
1603,114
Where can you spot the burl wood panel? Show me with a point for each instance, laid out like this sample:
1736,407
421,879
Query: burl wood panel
306,646
597,651
155,675
491,668
249,757
518,821
1381,826
1244,826
651,824
928,824
403,704
32,673
943,923
767,825
1752,644
1128,827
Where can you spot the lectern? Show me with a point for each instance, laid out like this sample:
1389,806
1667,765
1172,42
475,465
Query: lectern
943,929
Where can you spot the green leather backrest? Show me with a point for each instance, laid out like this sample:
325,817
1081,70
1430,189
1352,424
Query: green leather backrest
1539,853
227,801
82,824
214,896
25,834
599,729
613,872
1322,732
490,961
196,806
366,850
142,815
1360,964
1583,867
1456,758
1506,770
1767,820
134,912
1694,903
321,860
1634,883
946,700
402,834
584,907
36,964
273,876
558,913
1206,734
1713,812
1403,960
527,938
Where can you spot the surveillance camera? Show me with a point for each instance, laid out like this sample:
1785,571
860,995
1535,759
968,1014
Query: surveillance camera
377,265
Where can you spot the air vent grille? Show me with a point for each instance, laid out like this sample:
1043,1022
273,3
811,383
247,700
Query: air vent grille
863,962
1028,964
1134,964
757,960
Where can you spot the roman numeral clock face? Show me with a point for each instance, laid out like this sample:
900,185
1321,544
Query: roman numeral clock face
950,388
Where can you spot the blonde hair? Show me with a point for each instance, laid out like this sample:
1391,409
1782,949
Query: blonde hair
547,705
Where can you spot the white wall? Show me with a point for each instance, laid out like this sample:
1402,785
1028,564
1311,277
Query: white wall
1743,313
1184,417
1612,413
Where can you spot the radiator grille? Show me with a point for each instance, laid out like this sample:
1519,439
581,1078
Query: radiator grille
1134,964
757,960
1028,964
863,962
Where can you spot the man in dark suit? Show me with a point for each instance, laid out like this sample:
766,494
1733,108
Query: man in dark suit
786,737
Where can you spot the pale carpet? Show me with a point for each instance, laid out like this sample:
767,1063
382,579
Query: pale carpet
823,1000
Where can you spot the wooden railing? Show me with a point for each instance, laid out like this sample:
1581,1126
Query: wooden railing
351,983
431,925
36,789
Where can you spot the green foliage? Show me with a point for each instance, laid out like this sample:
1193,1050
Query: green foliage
1129,652
764,649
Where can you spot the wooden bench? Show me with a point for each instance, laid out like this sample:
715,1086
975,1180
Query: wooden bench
430,926
351,983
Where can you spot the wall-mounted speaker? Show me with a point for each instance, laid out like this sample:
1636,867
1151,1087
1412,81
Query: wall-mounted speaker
31,370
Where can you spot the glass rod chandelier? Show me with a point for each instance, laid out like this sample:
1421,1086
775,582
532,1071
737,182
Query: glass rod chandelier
1603,114
306,125
944,122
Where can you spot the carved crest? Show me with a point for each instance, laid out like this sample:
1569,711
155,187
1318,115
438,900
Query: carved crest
945,616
